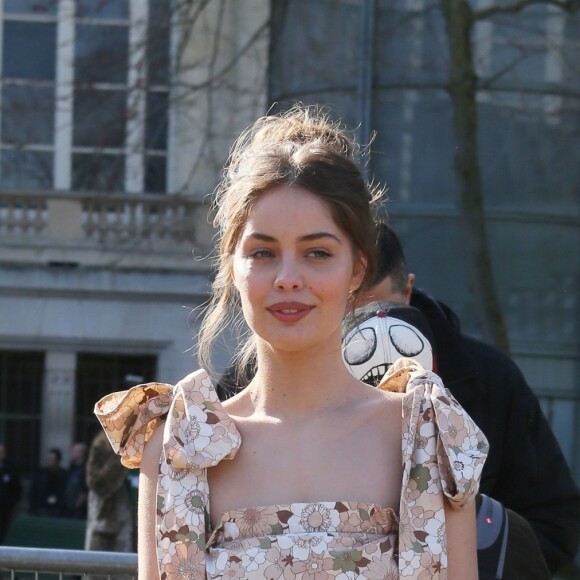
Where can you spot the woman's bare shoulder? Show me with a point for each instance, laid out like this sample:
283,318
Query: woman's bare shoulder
381,398
373,404
239,405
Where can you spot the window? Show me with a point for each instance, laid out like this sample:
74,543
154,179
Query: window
85,95
28,95
21,376
101,374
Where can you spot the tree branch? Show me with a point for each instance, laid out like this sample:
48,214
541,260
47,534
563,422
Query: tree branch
209,97
489,81
462,88
223,72
568,5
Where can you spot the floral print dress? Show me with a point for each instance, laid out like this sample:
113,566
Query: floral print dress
443,456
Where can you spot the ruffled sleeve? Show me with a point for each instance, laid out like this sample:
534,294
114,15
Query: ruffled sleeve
197,434
443,455
130,417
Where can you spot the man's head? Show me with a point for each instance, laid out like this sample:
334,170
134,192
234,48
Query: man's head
77,453
392,282
54,458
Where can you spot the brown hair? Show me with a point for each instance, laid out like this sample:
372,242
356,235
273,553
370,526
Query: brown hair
300,147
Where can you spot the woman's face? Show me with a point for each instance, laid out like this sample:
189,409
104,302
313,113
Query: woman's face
294,269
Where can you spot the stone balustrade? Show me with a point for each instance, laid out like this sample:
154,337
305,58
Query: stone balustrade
22,214
77,227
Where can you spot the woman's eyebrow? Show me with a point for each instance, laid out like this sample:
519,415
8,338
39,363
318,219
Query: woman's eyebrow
306,238
260,237
319,235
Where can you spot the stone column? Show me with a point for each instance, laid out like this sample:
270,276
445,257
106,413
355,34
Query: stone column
65,219
58,399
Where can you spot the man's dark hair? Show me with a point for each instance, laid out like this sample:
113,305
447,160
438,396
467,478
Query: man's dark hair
391,259
57,453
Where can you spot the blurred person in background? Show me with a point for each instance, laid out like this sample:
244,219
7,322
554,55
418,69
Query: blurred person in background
76,484
48,487
10,491
110,521
525,470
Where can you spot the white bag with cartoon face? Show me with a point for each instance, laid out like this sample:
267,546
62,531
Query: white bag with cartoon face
377,334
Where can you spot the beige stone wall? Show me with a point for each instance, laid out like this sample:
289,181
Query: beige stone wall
222,88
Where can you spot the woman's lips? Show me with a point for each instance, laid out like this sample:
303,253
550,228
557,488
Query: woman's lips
290,311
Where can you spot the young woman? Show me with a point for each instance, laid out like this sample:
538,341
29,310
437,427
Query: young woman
307,472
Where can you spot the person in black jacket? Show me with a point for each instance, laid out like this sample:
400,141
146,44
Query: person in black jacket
48,487
10,491
525,469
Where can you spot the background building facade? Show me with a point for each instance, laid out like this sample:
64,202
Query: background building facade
115,121
385,67
116,118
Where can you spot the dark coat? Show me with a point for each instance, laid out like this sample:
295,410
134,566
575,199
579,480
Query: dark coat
525,469
10,493
76,491
47,492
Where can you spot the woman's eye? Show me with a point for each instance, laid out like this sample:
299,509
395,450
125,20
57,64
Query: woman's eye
261,253
319,254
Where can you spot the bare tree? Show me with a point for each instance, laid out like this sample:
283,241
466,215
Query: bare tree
463,90
460,19
111,74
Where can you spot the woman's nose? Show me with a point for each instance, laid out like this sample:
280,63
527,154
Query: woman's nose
289,276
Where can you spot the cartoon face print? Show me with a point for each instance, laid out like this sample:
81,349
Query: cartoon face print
377,335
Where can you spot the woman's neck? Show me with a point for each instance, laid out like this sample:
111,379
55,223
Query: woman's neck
299,384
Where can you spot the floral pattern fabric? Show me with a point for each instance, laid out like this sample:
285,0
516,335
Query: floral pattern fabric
313,541
443,455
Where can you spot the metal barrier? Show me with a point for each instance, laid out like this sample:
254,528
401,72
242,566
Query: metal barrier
41,563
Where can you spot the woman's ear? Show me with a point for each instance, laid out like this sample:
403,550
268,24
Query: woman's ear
358,272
